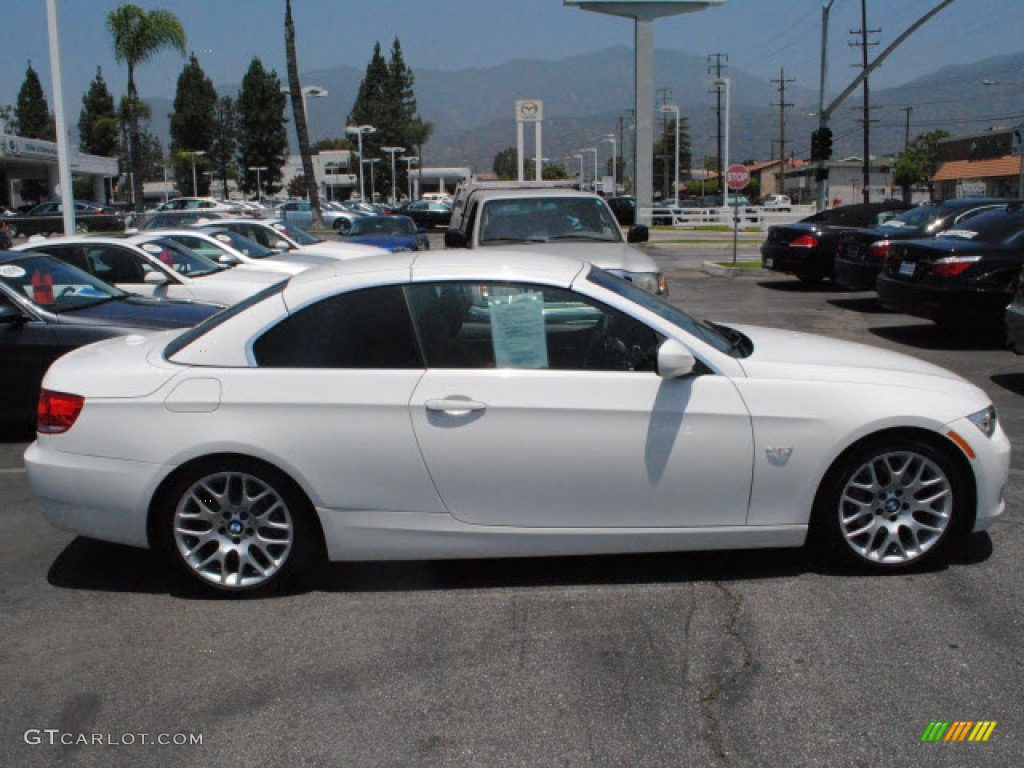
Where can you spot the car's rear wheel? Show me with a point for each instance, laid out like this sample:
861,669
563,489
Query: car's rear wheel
892,504
237,525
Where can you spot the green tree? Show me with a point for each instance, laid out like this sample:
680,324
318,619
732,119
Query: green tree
31,111
299,112
225,140
138,36
192,125
263,138
97,122
554,172
370,107
506,164
297,188
918,162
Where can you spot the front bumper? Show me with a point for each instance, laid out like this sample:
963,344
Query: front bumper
991,467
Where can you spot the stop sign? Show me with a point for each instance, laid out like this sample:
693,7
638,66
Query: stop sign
737,177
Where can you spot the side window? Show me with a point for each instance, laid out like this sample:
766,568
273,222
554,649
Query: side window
200,246
69,254
116,265
362,329
507,325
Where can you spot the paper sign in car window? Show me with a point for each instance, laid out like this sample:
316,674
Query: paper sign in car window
966,234
517,331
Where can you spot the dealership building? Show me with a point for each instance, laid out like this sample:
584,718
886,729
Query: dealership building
23,159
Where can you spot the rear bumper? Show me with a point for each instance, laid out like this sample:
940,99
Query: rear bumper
856,275
1014,318
942,304
808,262
106,499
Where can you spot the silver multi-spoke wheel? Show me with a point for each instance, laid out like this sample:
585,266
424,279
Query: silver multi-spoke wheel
895,507
233,529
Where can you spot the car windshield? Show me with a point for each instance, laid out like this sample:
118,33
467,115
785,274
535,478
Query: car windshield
54,285
919,218
548,219
181,259
989,227
300,236
383,225
241,243
721,338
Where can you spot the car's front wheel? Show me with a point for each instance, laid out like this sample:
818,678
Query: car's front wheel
892,504
237,525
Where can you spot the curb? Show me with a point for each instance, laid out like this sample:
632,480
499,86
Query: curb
717,270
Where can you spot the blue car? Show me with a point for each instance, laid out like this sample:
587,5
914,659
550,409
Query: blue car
393,233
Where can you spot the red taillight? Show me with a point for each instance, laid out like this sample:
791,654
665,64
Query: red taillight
805,241
57,411
953,266
879,249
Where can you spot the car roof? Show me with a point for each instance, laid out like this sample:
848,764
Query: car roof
490,194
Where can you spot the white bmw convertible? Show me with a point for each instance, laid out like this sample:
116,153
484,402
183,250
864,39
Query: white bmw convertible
493,403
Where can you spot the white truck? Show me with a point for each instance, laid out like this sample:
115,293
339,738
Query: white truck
555,217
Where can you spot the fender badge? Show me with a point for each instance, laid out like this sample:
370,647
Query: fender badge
778,457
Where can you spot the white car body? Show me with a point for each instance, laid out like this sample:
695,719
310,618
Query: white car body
224,287
487,461
275,236
218,246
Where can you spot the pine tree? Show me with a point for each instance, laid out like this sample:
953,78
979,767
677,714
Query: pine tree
97,122
371,108
195,101
263,139
31,110
225,140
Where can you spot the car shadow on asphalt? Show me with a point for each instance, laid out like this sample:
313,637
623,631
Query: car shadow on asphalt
86,564
866,305
798,286
941,338
1012,382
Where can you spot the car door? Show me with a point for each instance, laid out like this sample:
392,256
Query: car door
542,408
27,347
332,388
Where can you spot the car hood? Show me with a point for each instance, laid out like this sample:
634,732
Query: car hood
338,250
387,242
140,312
780,354
611,256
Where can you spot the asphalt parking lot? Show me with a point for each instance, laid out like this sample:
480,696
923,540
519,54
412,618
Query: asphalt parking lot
707,659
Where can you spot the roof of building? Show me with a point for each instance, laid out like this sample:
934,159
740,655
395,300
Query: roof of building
978,169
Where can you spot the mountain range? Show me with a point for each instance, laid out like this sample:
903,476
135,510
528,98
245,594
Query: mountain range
473,109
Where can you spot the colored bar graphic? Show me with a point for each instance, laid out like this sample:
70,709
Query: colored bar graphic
958,730
935,731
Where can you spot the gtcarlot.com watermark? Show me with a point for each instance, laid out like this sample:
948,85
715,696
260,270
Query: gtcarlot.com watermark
57,737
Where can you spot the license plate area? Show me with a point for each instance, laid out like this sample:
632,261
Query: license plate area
769,263
907,268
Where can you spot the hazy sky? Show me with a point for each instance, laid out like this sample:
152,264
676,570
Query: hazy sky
760,36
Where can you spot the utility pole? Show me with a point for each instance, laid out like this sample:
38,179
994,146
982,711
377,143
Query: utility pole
906,135
863,32
783,106
717,68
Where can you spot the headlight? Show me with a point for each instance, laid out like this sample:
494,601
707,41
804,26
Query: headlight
985,420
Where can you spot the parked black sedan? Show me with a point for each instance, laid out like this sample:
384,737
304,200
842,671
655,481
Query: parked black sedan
861,252
807,248
964,276
48,217
48,308
428,214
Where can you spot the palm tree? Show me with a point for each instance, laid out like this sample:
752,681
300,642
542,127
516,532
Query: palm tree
138,36
299,111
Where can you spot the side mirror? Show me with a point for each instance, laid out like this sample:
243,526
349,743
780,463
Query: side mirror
228,260
638,233
11,315
155,278
280,245
455,238
674,360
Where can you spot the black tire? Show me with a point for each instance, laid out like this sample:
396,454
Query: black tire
867,508
253,518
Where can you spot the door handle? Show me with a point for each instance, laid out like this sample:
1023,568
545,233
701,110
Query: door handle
455,406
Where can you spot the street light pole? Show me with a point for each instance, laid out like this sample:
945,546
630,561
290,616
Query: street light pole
594,150
360,130
722,186
195,184
673,108
373,193
611,137
393,151
408,171
259,186
582,174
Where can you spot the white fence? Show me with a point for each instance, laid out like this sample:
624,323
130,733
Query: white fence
749,215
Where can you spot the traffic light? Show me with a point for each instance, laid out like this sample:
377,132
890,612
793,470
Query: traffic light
821,144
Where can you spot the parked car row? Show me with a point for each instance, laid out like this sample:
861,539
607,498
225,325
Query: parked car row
955,262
